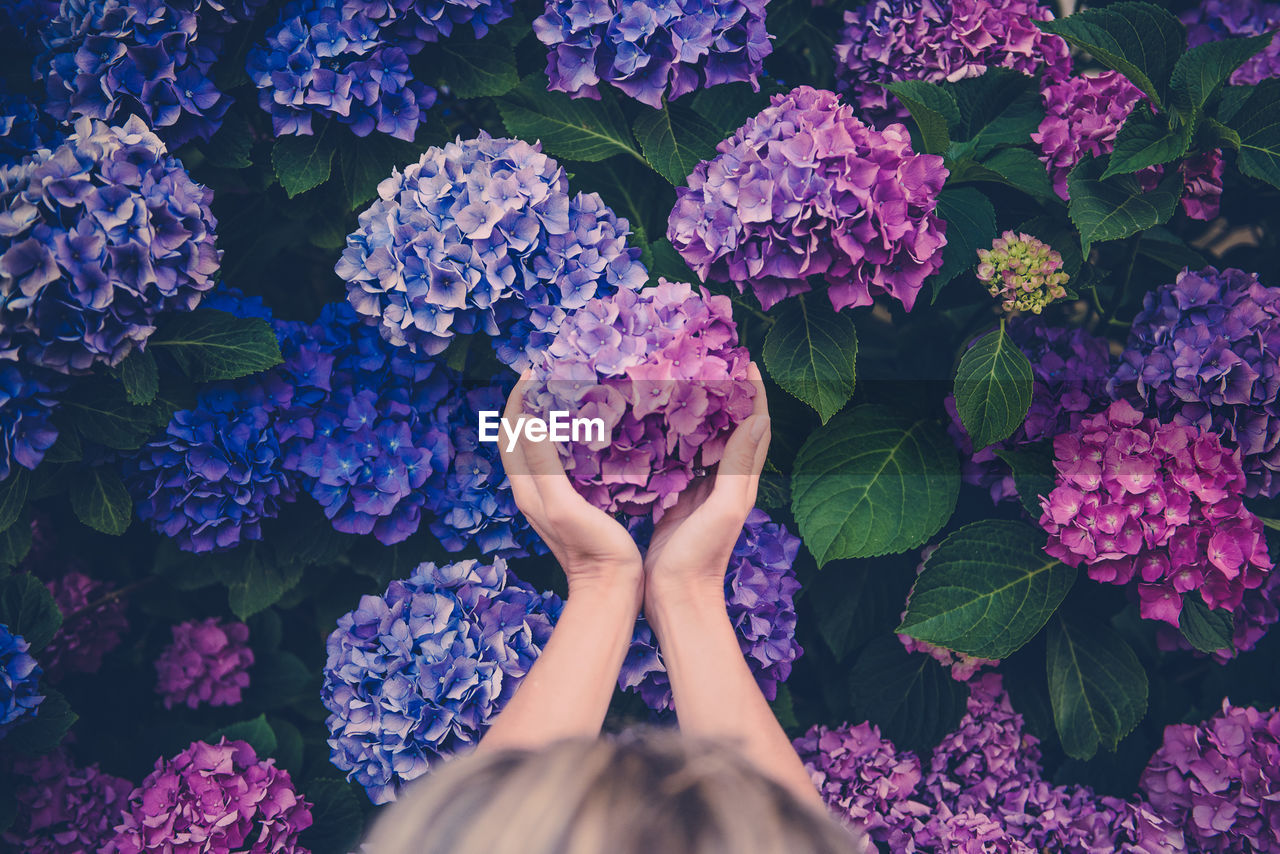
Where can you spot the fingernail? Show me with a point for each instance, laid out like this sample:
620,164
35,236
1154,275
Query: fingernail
760,425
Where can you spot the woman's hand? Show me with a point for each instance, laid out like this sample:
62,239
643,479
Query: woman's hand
595,551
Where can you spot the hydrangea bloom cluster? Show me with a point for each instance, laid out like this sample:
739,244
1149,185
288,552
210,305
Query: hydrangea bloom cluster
1202,183
213,799
805,189
471,502
28,400
23,128
885,41
482,236
654,49
759,588
1083,114
109,58
961,667
413,22
1023,272
417,673
663,370
330,58
1070,369
99,235
64,808
208,661
87,633
366,451
1154,504
1259,610
19,681
1205,351
1219,781
27,16
1211,20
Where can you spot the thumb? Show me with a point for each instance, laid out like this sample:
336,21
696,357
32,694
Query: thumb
744,457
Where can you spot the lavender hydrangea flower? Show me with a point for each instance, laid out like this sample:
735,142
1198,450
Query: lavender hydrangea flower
87,633
419,672
938,41
654,49
28,400
482,236
759,589
1205,351
64,808
662,370
97,236
1219,781
804,189
19,681
213,799
207,662
1083,114
1213,20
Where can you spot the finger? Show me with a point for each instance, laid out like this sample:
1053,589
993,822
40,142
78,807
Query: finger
513,460
760,403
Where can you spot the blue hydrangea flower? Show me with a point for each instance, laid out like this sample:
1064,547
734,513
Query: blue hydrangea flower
652,49
471,501
23,128
26,17
19,681
482,236
330,58
412,22
759,588
419,672
108,58
97,237
28,399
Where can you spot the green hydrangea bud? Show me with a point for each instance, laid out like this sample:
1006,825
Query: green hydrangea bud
1023,272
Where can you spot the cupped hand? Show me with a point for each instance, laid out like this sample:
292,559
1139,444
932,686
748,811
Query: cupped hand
691,545
593,549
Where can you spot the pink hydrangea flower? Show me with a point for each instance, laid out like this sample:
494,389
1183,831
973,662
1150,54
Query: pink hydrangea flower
86,634
63,808
207,662
1083,114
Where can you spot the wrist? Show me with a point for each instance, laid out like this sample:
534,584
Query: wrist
612,586
686,603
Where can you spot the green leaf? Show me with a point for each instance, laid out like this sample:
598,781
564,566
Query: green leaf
257,584
1033,475
290,746
101,412
303,162
478,69
1206,629
999,107
993,388
668,264
1145,141
212,345
1258,125
1097,686
971,225
100,500
1022,170
727,106
339,822
28,609
1141,41
853,601
1201,71
932,107
987,590
13,496
141,377
68,448
1117,208
575,129
811,351
257,733
675,140
1163,246
232,146
46,730
15,543
910,697
784,709
873,481
279,679
366,162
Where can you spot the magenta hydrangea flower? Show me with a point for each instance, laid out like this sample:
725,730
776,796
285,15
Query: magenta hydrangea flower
1219,19
1083,114
1219,782
1023,272
1205,351
63,808
213,799
805,189
663,370
1156,505
938,41
208,661
961,667
1259,610
87,633
1202,183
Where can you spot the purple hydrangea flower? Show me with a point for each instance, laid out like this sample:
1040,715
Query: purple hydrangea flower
28,400
471,500
482,236
1218,19
1202,183
759,589
419,672
98,236
1157,505
213,799
1205,351
1083,114
654,49
63,808
414,22
662,370
805,189
207,662
1069,368
87,633
961,667
110,58
938,41
1219,782
19,681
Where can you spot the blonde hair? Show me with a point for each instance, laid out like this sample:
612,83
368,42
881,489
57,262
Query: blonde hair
651,793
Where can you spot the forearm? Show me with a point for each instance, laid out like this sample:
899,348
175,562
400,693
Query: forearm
567,690
714,691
